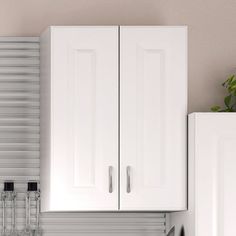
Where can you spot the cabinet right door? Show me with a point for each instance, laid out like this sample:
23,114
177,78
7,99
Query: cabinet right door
153,109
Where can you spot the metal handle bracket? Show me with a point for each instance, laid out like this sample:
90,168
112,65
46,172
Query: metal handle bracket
110,179
128,189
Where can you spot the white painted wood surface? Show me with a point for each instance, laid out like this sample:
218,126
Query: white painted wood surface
80,134
83,125
153,112
19,155
212,163
146,119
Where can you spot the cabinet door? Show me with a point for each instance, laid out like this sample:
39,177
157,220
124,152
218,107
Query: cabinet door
212,152
153,109
84,116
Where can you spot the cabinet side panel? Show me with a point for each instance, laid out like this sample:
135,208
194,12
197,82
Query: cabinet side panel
187,218
45,118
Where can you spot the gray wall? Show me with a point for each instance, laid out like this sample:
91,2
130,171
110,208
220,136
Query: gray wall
212,31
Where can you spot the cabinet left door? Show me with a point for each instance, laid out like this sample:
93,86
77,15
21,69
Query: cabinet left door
79,118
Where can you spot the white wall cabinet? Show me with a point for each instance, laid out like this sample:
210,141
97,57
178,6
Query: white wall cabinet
113,118
212,164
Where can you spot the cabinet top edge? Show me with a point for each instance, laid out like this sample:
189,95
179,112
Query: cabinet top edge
153,26
211,113
162,26
52,27
115,26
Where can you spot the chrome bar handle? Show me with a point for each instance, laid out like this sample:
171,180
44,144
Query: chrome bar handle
110,179
128,188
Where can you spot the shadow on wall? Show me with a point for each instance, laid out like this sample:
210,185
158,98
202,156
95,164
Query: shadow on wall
182,231
172,232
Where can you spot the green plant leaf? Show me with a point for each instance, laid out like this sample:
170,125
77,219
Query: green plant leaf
229,80
230,99
233,83
227,100
215,108
232,86
233,89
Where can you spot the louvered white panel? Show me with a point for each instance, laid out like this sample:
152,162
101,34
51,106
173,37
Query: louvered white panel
19,150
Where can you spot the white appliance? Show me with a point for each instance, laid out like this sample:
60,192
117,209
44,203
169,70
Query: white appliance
212,164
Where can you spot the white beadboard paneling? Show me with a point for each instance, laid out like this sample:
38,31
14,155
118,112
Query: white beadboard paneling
19,150
19,107
19,45
20,53
19,62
